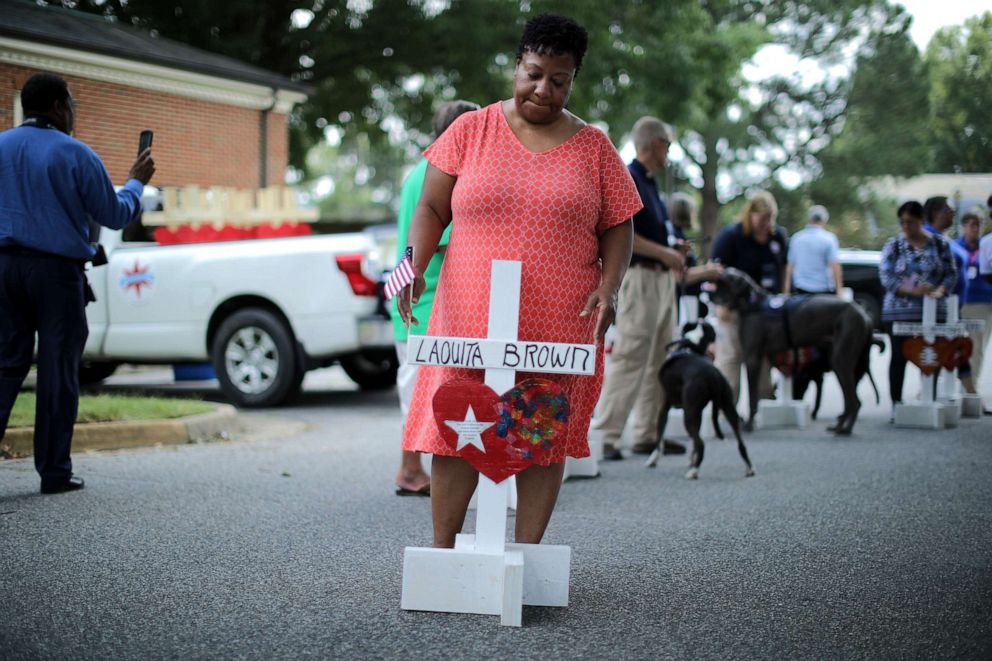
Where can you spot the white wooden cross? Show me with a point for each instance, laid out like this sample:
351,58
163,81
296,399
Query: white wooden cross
928,413
483,574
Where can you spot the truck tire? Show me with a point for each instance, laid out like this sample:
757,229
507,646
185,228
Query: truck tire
373,369
253,357
91,372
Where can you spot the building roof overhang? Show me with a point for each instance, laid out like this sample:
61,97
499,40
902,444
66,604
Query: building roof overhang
74,43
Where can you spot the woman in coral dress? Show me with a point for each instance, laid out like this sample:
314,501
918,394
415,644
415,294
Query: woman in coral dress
527,181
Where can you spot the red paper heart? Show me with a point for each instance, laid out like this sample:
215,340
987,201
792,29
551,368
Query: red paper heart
958,353
783,360
927,356
525,421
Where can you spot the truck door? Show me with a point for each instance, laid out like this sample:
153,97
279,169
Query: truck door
148,302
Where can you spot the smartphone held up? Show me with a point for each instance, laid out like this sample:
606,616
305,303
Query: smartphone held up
145,140
143,168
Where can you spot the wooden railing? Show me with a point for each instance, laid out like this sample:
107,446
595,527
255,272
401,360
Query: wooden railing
231,207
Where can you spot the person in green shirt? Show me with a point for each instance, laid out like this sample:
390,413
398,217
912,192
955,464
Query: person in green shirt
412,480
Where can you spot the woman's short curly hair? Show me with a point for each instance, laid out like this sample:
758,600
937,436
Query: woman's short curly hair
555,35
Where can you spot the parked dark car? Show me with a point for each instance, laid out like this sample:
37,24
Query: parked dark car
859,269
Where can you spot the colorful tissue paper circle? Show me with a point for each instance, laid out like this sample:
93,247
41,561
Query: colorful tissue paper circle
531,414
525,421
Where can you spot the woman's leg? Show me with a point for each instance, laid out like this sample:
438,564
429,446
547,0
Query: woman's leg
897,367
452,482
411,475
537,493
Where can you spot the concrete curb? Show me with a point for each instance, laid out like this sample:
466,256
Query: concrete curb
131,434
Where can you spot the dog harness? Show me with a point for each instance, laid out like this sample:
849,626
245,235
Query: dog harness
781,307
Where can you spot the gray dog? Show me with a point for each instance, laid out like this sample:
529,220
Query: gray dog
772,324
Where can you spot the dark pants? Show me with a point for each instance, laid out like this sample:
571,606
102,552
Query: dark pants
897,365
43,294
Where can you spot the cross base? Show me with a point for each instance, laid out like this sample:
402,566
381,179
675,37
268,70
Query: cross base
951,410
783,413
971,406
920,415
466,580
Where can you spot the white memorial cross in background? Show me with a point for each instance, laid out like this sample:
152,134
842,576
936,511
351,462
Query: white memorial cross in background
483,574
928,413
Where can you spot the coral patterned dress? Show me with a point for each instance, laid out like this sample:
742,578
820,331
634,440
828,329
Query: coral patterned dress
546,210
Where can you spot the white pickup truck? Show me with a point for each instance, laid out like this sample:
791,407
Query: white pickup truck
262,311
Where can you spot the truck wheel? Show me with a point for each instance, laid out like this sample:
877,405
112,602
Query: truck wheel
253,357
95,372
372,370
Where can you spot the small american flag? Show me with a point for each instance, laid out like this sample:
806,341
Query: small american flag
401,276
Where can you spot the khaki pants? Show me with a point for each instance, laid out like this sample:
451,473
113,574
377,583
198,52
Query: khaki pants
979,341
729,356
645,324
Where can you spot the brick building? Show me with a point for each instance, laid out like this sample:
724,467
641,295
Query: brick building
217,121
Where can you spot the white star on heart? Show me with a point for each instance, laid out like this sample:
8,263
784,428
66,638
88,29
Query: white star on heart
469,430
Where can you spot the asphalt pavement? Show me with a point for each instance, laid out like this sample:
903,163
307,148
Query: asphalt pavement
287,543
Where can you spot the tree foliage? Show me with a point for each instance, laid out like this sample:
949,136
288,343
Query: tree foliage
378,67
885,131
960,60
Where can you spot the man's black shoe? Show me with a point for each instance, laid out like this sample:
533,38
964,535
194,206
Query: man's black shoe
668,447
611,453
72,484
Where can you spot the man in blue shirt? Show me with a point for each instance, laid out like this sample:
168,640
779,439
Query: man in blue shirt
813,266
978,301
938,218
51,185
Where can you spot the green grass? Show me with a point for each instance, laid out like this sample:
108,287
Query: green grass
110,408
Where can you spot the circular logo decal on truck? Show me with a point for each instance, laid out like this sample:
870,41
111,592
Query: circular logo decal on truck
137,283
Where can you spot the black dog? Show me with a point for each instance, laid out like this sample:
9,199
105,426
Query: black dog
802,321
690,381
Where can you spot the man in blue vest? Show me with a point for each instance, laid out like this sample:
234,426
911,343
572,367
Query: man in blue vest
51,185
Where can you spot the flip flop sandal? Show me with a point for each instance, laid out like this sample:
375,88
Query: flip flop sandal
422,491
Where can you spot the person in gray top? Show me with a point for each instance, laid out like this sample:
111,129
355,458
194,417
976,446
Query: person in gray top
813,266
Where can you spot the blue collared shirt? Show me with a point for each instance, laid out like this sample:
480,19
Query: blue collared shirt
652,221
50,185
811,252
960,260
979,290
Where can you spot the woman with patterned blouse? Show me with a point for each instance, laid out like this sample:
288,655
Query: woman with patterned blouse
915,265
